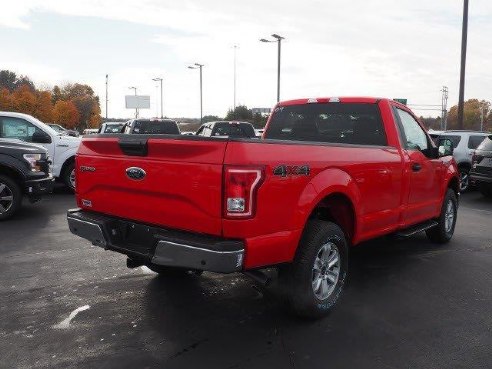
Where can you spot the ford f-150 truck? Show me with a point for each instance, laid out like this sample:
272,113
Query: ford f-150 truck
327,174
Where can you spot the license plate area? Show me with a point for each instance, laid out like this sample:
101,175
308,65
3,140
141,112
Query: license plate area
137,238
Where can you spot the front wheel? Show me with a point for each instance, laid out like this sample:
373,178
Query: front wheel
315,279
444,229
10,197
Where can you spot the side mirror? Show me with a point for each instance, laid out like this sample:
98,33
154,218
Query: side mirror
445,147
41,137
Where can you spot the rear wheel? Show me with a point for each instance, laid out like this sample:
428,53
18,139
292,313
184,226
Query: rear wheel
10,197
464,179
69,176
314,281
444,230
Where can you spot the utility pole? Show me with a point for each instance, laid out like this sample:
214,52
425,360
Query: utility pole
444,108
106,97
234,105
464,36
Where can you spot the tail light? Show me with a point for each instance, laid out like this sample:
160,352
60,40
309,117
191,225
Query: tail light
240,187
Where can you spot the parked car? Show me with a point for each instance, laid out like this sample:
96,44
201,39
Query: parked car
328,174
112,127
481,172
464,144
24,172
152,126
259,132
227,129
63,130
61,148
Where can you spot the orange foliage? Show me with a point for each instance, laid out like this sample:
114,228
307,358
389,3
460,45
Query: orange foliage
44,107
66,114
6,101
24,101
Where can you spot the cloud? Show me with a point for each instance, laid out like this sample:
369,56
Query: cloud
332,48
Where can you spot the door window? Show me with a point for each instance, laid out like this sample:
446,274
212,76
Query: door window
414,137
17,128
475,141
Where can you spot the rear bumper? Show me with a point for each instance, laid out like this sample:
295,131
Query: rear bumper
157,245
480,178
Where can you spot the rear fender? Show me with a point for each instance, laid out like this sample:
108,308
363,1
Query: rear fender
328,182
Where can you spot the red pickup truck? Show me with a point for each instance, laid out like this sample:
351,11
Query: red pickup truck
327,174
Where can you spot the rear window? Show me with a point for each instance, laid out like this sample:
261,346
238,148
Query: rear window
156,127
454,139
113,128
486,144
348,123
474,141
234,130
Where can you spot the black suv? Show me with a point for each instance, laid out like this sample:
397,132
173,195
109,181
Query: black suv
481,171
24,171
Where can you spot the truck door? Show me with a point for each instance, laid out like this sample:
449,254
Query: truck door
423,173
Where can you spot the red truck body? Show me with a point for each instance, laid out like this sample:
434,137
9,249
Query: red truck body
368,190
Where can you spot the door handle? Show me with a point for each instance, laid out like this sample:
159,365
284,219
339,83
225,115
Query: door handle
416,167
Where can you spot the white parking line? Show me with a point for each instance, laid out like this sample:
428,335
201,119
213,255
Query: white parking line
66,322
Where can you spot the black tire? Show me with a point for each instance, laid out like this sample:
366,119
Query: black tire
66,176
486,189
299,277
164,271
442,233
465,183
11,192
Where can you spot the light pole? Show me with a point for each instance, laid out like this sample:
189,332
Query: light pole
199,66
158,79
235,50
136,109
106,97
278,40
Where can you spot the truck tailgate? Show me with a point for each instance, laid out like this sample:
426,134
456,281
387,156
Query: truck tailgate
181,187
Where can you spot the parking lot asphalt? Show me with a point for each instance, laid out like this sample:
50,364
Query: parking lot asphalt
408,304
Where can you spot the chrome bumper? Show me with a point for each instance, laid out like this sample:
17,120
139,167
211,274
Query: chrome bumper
157,245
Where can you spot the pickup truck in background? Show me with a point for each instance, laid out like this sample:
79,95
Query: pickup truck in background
61,147
24,172
327,174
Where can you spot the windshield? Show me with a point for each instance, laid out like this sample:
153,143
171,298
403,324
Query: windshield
156,127
234,129
113,128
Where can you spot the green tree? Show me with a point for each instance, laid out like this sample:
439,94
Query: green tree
210,118
471,114
8,80
240,113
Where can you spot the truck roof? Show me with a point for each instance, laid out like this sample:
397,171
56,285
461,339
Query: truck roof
344,99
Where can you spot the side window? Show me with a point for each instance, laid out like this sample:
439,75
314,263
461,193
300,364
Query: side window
475,141
207,131
414,136
200,131
17,128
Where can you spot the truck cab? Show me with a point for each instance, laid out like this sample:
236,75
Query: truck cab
61,147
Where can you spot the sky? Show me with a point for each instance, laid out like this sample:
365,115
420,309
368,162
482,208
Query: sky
396,49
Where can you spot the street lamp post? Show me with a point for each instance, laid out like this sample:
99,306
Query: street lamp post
278,40
158,79
136,109
234,105
464,36
199,66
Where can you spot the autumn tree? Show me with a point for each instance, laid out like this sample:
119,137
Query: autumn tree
11,82
44,108
66,114
86,101
24,101
6,101
471,114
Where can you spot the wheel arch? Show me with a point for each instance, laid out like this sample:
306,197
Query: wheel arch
12,173
68,161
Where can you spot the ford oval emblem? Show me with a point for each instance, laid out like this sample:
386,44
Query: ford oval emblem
135,173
